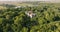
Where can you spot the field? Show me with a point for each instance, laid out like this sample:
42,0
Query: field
46,19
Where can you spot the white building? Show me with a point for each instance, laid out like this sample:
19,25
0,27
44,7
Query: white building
30,14
18,7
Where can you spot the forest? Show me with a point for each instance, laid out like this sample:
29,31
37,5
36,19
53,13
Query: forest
46,19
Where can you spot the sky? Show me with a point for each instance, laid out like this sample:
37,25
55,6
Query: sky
27,0
32,0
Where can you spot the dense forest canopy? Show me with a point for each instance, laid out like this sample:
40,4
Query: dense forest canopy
46,19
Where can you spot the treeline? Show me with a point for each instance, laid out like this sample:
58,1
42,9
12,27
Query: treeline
47,19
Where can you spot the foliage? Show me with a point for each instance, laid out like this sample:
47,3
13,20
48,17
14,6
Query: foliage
47,19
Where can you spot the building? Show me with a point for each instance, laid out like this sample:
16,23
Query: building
30,14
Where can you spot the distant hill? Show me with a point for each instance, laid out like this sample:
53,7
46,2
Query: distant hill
22,3
30,2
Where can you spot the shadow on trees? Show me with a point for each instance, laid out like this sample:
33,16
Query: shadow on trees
56,18
28,23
